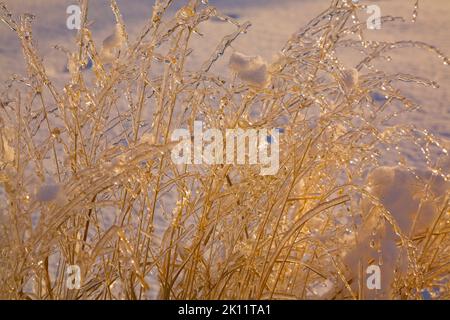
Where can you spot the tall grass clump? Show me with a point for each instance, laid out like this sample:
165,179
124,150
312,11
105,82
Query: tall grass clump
87,177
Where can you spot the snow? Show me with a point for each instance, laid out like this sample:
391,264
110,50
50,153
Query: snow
272,24
403,194
251,69
48,192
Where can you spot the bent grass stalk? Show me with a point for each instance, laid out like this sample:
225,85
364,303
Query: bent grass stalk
140,226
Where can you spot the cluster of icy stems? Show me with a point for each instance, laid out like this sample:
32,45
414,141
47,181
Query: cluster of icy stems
87,179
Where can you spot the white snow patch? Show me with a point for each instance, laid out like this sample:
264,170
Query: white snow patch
250,69
403,195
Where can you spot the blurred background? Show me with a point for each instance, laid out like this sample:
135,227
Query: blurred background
273,22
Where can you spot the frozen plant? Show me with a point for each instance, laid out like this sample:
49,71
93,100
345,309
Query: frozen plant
140,226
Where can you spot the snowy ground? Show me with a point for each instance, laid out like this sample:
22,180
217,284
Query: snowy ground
273,21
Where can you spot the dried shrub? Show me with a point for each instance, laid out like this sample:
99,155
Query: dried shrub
87,178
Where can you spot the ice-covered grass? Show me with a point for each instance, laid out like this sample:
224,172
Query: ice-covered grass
87,178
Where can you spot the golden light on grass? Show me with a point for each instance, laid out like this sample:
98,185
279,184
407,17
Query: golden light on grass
87,178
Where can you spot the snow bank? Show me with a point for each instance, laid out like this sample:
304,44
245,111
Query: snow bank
250,69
